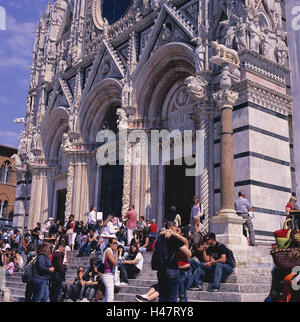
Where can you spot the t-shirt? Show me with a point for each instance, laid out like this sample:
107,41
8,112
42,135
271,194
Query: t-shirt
153,228
216,251
139,264
35,230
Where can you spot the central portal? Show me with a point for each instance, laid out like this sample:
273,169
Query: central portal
111,193
179,191
61,205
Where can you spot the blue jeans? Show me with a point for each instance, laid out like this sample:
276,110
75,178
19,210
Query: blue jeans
168,285
86,248
219,269
184,282
194,280
40,290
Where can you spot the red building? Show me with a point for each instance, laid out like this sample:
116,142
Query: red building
8,183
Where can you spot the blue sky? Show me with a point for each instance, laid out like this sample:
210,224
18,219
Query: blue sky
16,45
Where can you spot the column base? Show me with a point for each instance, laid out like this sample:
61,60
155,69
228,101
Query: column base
228,227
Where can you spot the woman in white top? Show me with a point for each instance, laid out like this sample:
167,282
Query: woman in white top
110,261
132,265
197,210
109,230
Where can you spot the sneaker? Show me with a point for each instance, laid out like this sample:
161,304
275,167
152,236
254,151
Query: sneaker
197,288
123,284
213,289
141,298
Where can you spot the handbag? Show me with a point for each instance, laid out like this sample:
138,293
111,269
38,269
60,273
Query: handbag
286,258
283,236
70,231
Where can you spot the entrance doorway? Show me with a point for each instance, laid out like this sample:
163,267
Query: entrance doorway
179,191
111,191
61,205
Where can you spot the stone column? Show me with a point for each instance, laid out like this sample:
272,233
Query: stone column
225,100
227,225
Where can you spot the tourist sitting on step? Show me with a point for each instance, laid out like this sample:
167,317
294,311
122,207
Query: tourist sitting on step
218,261
91,244
72,291
151,295
9,266
91,281
132,266
141,238
18,260
108,230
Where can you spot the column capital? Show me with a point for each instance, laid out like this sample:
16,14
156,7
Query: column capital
225,98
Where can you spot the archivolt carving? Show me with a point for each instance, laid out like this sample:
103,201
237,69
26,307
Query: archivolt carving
97,15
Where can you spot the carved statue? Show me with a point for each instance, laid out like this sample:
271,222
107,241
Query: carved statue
225,80
277,14
229,36
17,161
241,35
281,50
255,33
122,119
268,47
199,55
66,145
196,86
225,55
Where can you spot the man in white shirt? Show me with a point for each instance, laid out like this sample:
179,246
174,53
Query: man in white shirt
92,218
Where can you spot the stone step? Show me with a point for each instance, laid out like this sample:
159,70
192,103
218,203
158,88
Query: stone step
225,287
205,296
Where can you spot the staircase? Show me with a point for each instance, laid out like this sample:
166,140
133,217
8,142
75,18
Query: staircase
250,281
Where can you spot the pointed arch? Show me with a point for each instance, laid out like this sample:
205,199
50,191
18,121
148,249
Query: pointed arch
52,130
105,95
171,63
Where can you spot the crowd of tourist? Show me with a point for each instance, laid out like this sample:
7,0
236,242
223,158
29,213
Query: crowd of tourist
117,246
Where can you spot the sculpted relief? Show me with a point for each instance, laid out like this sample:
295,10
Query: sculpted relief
252,24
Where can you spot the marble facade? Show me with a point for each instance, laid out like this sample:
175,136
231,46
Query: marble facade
159,65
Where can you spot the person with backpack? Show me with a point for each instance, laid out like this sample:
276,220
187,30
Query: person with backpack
165,262
218,260
43,270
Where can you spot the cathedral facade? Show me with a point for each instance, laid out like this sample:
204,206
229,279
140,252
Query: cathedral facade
157,65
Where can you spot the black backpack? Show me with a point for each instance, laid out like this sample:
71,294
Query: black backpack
29,271
160,256
230,257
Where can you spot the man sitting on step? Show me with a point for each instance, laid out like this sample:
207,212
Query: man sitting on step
218,260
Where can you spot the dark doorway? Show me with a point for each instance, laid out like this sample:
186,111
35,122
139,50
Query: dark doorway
179,191
111,192
61,205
